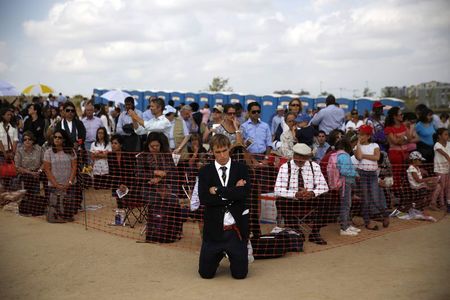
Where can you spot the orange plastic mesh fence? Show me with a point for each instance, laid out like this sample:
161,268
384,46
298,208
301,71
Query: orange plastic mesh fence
154,198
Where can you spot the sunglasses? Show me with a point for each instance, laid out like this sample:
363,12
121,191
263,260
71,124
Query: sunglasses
254,112
68,110
58,137
294,104
27,139
231,113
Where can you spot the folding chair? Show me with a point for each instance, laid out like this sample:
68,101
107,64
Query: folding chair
136,208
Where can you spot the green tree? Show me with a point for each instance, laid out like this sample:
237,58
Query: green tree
368,93
302,93
219,84
283,92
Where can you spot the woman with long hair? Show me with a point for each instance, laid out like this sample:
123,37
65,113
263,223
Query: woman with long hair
155,166
230,125
60,165
107,121
99,151
121,169
398,137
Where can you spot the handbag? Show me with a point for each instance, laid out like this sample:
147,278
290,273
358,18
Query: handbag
8,169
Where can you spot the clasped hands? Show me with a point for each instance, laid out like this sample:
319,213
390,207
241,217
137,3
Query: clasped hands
304,194
213,189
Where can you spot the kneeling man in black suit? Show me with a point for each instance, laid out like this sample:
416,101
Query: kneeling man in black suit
223,189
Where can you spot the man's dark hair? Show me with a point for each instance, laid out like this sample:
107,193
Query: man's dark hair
171,102
321,131
159,102
330,100
130,100
251,104
194,106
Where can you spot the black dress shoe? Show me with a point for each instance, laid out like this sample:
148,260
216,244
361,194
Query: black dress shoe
317,239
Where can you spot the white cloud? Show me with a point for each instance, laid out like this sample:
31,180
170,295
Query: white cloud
262,45
70,61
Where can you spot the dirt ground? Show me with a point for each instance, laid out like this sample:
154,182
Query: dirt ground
64,261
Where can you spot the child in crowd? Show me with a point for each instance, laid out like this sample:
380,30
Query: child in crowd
368,154
441,165
420,184
348,172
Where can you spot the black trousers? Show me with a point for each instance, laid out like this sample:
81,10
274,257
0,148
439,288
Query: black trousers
321,210
211,254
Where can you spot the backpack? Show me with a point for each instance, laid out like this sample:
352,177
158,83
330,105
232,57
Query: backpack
335,180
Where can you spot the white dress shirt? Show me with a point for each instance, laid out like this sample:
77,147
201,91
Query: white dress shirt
312,183
228,217
159,124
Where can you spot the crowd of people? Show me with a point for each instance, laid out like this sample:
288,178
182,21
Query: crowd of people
324,161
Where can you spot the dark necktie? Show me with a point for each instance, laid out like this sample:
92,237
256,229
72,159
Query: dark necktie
301,183
224,175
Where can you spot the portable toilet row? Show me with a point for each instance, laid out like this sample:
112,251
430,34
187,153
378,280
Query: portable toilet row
268,103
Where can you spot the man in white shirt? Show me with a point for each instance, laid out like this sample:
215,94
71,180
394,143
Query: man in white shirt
158,124
299,183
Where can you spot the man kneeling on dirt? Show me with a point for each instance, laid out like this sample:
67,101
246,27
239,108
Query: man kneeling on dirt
299,184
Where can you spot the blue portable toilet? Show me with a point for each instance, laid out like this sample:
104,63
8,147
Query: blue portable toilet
320,102
163,95
307,103
236,98
364,104
177,98
392,102
284,100
191,97
139,100
268,107
218,99
97,94
346,104
204,98
249,99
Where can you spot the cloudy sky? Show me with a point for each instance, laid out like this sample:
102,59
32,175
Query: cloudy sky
260,45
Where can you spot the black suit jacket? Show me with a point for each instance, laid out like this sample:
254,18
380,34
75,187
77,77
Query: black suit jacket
81,130
215,207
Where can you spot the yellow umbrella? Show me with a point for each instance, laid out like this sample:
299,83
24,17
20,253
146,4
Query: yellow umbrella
39,88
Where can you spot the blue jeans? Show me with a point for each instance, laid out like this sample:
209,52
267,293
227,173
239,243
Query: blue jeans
373,196
345,193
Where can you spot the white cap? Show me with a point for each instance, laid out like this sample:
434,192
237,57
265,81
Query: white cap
302,149
280,107
169,109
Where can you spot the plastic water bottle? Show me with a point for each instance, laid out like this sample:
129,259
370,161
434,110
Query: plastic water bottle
118,218
250,252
